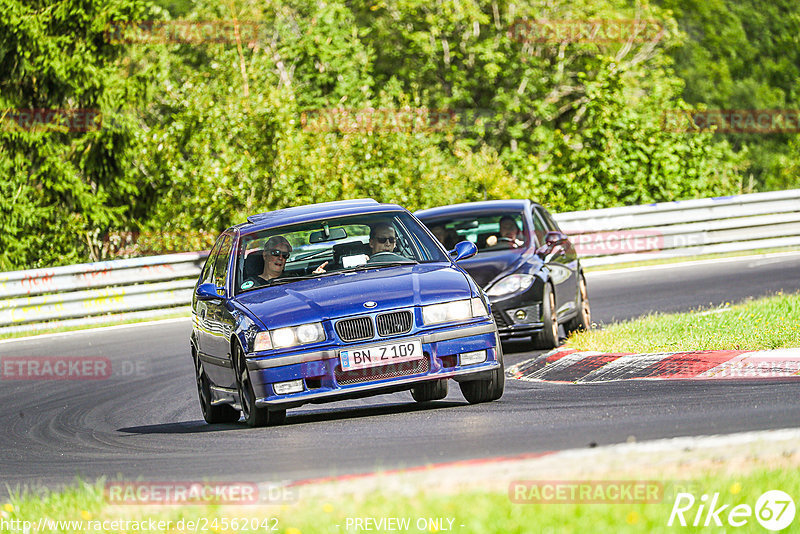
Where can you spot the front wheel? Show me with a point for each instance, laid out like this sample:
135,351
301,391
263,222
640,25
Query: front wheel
548,337
430,391
477,391
253,415
220,413
582,321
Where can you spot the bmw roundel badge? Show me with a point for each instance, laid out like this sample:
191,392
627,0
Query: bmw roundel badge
370,304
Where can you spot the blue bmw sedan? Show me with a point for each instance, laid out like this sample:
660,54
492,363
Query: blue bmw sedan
336,301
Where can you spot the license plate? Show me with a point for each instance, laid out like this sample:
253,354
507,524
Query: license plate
375,355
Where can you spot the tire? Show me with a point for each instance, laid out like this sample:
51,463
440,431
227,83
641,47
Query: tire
582,321
477,391
548,337
254,416
213,414
430,391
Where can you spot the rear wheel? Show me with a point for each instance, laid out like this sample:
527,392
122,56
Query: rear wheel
548,337
430,391
582,321
477,391
253,415
220,413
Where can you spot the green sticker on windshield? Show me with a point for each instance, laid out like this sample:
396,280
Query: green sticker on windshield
248,284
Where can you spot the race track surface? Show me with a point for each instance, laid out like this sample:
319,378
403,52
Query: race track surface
144,421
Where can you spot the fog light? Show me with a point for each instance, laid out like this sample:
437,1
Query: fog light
471,358
284,388
520,314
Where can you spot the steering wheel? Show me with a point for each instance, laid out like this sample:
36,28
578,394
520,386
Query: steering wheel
383,256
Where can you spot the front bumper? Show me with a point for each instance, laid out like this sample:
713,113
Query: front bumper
517,315
324,380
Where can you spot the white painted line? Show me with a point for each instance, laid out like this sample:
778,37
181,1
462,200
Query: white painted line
95,330
627,270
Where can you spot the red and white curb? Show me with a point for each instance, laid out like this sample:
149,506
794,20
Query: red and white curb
571,366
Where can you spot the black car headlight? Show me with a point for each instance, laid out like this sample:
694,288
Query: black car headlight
512,283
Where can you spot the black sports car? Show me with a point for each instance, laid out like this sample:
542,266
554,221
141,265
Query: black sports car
525,263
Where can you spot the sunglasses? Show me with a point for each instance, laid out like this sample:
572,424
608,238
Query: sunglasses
385,239
276,252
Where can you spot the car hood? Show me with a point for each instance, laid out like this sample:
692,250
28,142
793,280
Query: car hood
340,295
488,266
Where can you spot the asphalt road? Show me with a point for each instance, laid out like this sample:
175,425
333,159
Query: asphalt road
144,421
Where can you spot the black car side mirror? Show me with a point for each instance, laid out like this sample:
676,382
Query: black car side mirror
552,241
464,250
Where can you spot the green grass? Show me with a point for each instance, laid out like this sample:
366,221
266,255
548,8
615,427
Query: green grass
684,259
766,323
478,512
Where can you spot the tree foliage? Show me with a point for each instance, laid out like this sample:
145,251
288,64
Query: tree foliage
203,134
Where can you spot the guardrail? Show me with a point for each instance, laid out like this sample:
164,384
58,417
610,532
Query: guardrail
685,228
95,293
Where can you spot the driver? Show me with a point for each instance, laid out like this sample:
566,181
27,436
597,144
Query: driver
510,234
382,238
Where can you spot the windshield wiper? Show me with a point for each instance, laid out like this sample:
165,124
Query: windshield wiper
283,280
380,264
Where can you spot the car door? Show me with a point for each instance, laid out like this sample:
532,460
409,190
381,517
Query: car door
563,264
200,307
219,321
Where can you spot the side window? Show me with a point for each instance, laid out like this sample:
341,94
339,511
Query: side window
208,268
221,262
539,226
551,224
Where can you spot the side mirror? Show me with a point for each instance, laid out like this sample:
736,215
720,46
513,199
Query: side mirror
464,250
208,291
552,241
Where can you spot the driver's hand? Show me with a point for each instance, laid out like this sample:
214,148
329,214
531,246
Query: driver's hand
491,241
320,269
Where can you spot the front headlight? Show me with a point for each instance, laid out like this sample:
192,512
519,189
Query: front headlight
289,336
511,284
457,310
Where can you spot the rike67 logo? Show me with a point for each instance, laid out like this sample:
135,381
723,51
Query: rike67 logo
774,510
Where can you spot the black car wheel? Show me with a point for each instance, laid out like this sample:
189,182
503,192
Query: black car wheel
582,321
253,415
548,337
220,413
430,391
476,391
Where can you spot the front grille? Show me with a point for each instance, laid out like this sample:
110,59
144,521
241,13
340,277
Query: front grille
413,367
357,329
390,324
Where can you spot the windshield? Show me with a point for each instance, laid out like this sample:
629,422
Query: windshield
324,247
501,230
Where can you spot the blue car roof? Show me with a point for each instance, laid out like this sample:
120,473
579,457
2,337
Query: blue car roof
473,207
313,212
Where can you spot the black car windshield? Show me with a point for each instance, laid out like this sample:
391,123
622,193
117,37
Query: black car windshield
501,230
324,247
